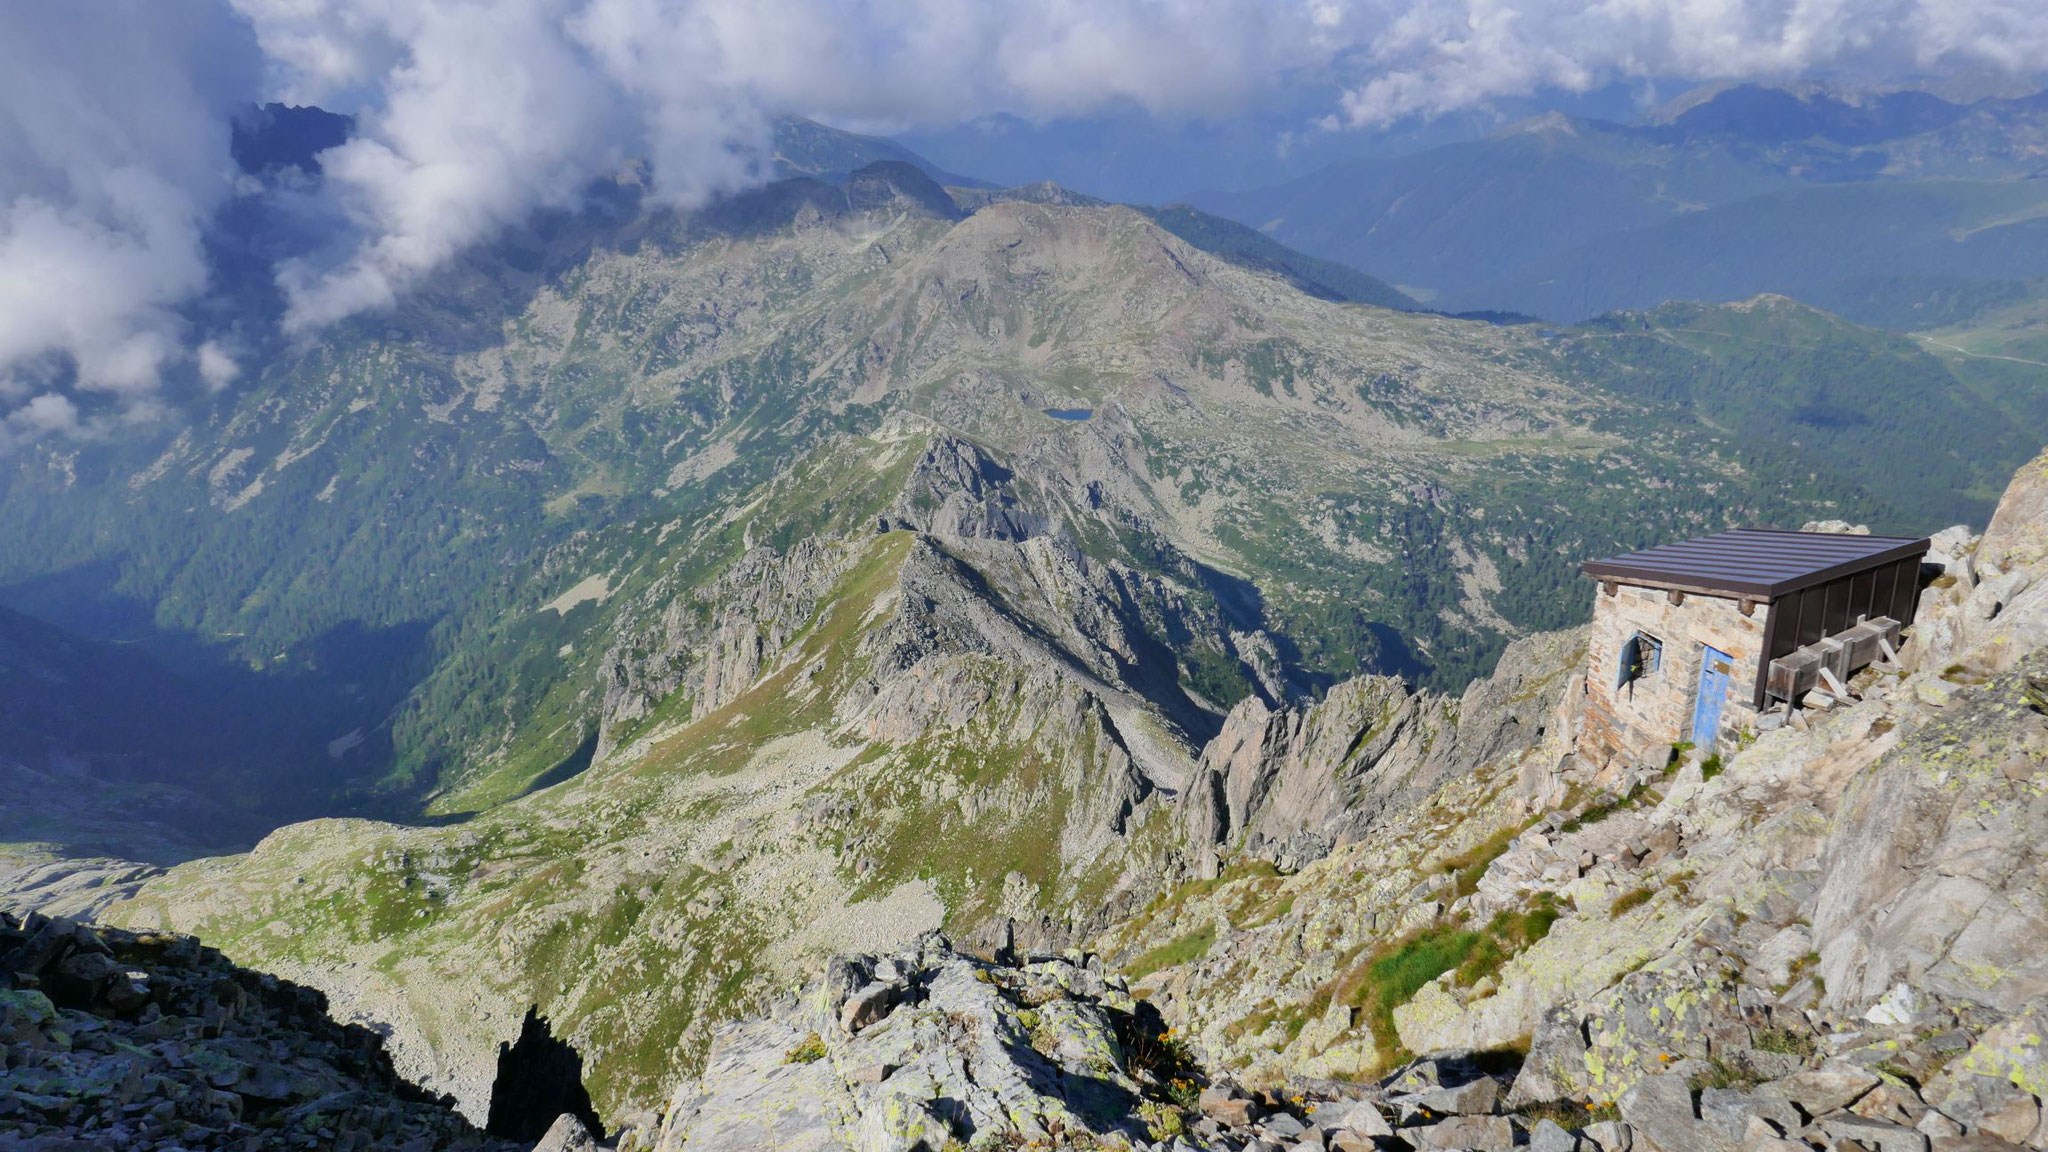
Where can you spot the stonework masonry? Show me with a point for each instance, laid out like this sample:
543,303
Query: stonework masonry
1638,722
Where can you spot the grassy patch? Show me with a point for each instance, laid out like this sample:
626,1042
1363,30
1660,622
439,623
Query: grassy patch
1784,1042
1185,949
809,1050
1392,977
1570,1114
1720,1074
1629,901
1178,897
1260,903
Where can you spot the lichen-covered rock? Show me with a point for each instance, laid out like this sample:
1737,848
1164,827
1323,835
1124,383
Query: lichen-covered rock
970,1051
2016,1050
1291,783
1951,847
2018,534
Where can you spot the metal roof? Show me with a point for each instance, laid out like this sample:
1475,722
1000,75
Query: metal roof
1761,563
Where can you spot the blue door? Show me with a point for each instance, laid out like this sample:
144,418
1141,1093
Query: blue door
1715,668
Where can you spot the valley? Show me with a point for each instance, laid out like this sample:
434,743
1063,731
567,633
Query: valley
1105,613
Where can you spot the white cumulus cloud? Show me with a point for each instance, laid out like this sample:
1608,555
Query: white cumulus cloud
1428,57
471,114
113,156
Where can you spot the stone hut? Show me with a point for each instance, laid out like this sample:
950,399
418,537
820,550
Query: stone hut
1698,640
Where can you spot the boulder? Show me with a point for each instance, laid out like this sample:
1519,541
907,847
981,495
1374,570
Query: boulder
1991,1104
566,1134
1556,1064
1895,1102
1366,1120
1823,1090
1283,1127
1937,1127
1548,1136
1610,1136
1882,1135
1227,1104
1470,1133
1479,1097
1729,1112
870,1005
1659,1110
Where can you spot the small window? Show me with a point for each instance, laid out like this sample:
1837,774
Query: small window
1640,656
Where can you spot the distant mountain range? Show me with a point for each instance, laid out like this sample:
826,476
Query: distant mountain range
1907,211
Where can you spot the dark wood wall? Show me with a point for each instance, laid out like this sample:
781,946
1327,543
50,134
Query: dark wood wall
1799,618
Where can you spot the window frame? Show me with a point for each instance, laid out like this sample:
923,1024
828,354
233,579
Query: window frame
1649,659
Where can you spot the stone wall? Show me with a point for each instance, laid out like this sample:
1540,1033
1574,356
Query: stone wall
1638,722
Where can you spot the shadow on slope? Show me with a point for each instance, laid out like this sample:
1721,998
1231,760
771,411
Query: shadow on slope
152,745
540,1077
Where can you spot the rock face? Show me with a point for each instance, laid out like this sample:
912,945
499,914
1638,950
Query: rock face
1291,784
925,1048
1947,838
2017,537
1831,935
112,1039
951,1051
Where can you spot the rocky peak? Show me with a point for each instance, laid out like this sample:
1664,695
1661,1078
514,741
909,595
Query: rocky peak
958,489
1290,784
2017,537
899,186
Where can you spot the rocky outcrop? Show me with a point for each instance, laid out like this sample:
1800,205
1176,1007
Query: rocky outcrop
1934,875
929,1048
2018,534
986,577
1945,835
112,1039
1829,937
711,646
1290,784
957,489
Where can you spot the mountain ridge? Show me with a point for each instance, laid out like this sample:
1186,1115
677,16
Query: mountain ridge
1567,217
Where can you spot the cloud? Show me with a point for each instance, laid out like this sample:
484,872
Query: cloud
217,367
471,114
113,156
475,115
1435,56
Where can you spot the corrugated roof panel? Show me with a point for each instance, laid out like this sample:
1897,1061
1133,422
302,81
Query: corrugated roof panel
1759,562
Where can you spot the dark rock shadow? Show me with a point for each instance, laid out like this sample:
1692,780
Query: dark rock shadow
570,766
540,1076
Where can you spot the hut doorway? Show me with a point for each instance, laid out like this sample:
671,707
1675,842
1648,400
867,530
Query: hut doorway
1715,668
